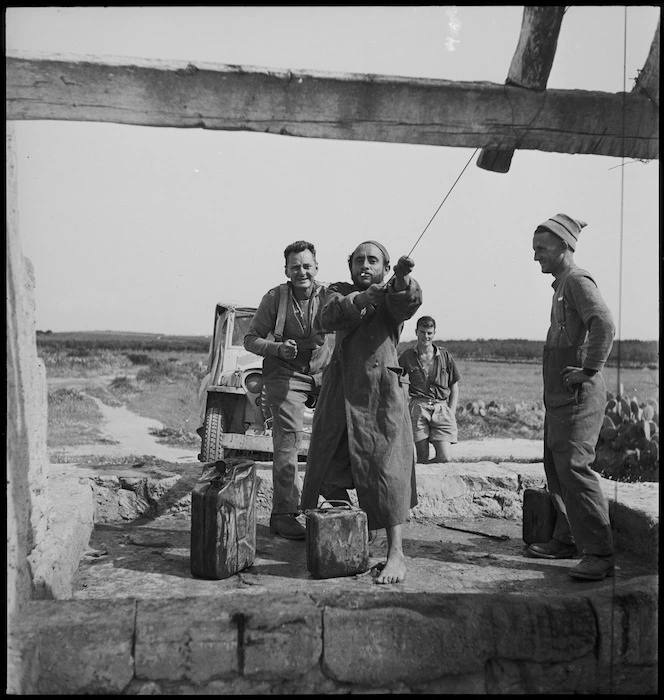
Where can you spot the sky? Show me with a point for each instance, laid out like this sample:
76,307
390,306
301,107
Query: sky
144,229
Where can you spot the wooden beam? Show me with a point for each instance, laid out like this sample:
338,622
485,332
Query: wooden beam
647,81
322,105
530,68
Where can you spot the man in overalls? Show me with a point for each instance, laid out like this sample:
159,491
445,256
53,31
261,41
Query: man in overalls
577,345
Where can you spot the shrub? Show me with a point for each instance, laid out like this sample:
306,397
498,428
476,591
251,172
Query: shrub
138,358
628,444
478,419
122,384
80,351
169,370
62,396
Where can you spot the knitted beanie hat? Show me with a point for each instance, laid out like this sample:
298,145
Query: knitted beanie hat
564,227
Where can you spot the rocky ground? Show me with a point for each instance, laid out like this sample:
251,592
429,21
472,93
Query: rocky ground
148,557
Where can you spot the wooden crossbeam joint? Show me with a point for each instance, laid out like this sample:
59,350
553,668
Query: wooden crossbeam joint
530,68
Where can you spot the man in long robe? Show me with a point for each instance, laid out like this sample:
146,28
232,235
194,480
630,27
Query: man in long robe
361,433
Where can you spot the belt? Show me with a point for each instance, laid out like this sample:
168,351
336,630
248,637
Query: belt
429,402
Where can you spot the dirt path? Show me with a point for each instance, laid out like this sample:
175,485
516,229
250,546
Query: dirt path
124,432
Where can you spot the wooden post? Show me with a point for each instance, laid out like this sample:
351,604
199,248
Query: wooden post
530,68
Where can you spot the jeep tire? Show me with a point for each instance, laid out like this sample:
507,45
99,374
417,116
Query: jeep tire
214,428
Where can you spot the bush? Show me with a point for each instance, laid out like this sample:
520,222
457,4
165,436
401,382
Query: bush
628,444
63,396
138,358
170,370
122,385
478,419
79,352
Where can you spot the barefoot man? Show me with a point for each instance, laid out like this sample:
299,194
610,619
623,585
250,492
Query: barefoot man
361,434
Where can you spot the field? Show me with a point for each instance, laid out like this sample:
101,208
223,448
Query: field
158,379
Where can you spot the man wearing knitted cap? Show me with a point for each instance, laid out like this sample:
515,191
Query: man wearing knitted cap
577,345
361,434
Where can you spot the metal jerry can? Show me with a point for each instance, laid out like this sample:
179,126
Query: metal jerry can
539,516
223,519
337,540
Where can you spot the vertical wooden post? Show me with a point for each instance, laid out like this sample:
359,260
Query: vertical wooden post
530,68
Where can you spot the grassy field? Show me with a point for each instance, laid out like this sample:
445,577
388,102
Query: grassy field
513,383
73,419
163,385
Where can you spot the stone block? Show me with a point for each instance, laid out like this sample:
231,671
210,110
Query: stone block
627,622
283,636
187,639
466,490
487,476
55,559
509,677
84,647
634,524
555,629
529,476
427,640
22,658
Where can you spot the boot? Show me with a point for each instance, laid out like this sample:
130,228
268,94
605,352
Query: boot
593,567
554,549
286,525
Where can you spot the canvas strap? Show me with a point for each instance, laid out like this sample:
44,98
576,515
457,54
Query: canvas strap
281,312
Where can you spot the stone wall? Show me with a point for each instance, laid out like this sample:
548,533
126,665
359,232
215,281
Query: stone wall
26,417
597,642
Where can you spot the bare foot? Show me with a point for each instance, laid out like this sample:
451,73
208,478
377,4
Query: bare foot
394,570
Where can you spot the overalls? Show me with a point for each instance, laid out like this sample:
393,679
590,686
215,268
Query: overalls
571,428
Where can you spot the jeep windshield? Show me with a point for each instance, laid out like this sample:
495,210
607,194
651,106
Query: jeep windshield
241,326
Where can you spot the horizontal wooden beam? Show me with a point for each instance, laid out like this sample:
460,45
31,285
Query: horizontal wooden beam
530,67
647,81
322,105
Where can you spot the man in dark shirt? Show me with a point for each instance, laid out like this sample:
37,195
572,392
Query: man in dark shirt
434,393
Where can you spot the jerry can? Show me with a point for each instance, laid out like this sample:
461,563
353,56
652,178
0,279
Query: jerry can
539,516
223,519
337,540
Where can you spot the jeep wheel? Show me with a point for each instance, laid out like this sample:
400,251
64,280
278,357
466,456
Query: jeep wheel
211,449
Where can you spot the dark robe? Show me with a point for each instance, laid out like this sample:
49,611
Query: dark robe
363,393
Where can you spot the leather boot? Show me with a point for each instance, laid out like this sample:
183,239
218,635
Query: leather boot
593,567
553,549
286,525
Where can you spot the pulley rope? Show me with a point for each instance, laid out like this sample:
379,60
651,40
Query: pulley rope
444,200
619,333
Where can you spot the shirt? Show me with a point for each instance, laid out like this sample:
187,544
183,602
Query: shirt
302,325
437,383
580,318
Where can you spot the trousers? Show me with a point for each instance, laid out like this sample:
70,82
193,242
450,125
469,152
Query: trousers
286,396
571,431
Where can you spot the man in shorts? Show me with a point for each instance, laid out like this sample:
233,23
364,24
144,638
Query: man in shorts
434,393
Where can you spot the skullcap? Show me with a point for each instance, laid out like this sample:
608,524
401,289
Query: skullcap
380,246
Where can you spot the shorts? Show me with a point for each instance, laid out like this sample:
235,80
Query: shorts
434,421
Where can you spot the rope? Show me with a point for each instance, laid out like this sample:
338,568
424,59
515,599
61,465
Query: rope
444,200
620,281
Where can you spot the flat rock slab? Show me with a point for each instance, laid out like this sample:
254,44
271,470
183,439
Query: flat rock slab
148,557
151,561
